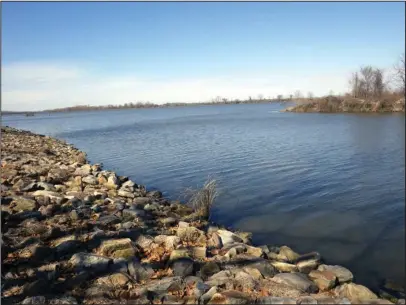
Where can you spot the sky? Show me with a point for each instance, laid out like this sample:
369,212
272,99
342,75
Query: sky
59,54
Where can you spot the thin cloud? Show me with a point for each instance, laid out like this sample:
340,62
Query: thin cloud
39,86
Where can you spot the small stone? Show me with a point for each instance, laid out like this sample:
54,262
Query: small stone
142,200
90,180
254,251
182,267
263,266
183,224
275,300
287,252
169,221
116,280
228,237
208,295
199,252
139,271
215,241
296,280
34,300
230,297
154,194
125,194
284,267
108,220
118,248
306,300
253,272
74,215
170,241
133,213
35,288
167,284
307,265
63,300
179,253
208,269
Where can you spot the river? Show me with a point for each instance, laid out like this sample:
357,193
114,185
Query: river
332,183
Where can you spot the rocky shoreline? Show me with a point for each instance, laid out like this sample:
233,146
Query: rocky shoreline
74,233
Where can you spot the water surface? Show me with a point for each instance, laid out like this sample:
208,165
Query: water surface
334,183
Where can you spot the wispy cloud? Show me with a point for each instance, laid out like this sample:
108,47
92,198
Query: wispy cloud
38,86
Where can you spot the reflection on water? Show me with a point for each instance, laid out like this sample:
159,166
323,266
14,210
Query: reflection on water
333,183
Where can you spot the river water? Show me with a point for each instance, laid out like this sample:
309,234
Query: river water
332,183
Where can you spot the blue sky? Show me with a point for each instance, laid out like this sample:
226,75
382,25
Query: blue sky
61,54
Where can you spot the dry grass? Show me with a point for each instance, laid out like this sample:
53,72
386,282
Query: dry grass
202,200
386,103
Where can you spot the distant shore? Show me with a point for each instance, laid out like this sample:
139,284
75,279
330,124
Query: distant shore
145,106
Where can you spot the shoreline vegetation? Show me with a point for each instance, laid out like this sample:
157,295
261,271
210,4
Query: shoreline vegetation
74,233
146,105
371,91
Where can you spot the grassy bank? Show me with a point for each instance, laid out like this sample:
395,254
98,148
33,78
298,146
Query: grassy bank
334,104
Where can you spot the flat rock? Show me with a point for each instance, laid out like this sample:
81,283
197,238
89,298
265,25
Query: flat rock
118,248
275,300
325,280
34,300
87,261
182,267
306,266
138,271
142,200
22,204
51,195
230,297
125,193
116,280
296,280
284,267
208,269
228,238
133,213
63,300
167,284
343,274
264,267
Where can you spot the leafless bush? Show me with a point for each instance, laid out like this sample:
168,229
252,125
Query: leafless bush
202,200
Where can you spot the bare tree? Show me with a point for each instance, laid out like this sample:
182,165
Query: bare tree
400,73
367,81
298,94
355,84
378,84
279,97
310,95
260,97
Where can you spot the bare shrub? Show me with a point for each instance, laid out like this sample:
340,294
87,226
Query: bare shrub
202,200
